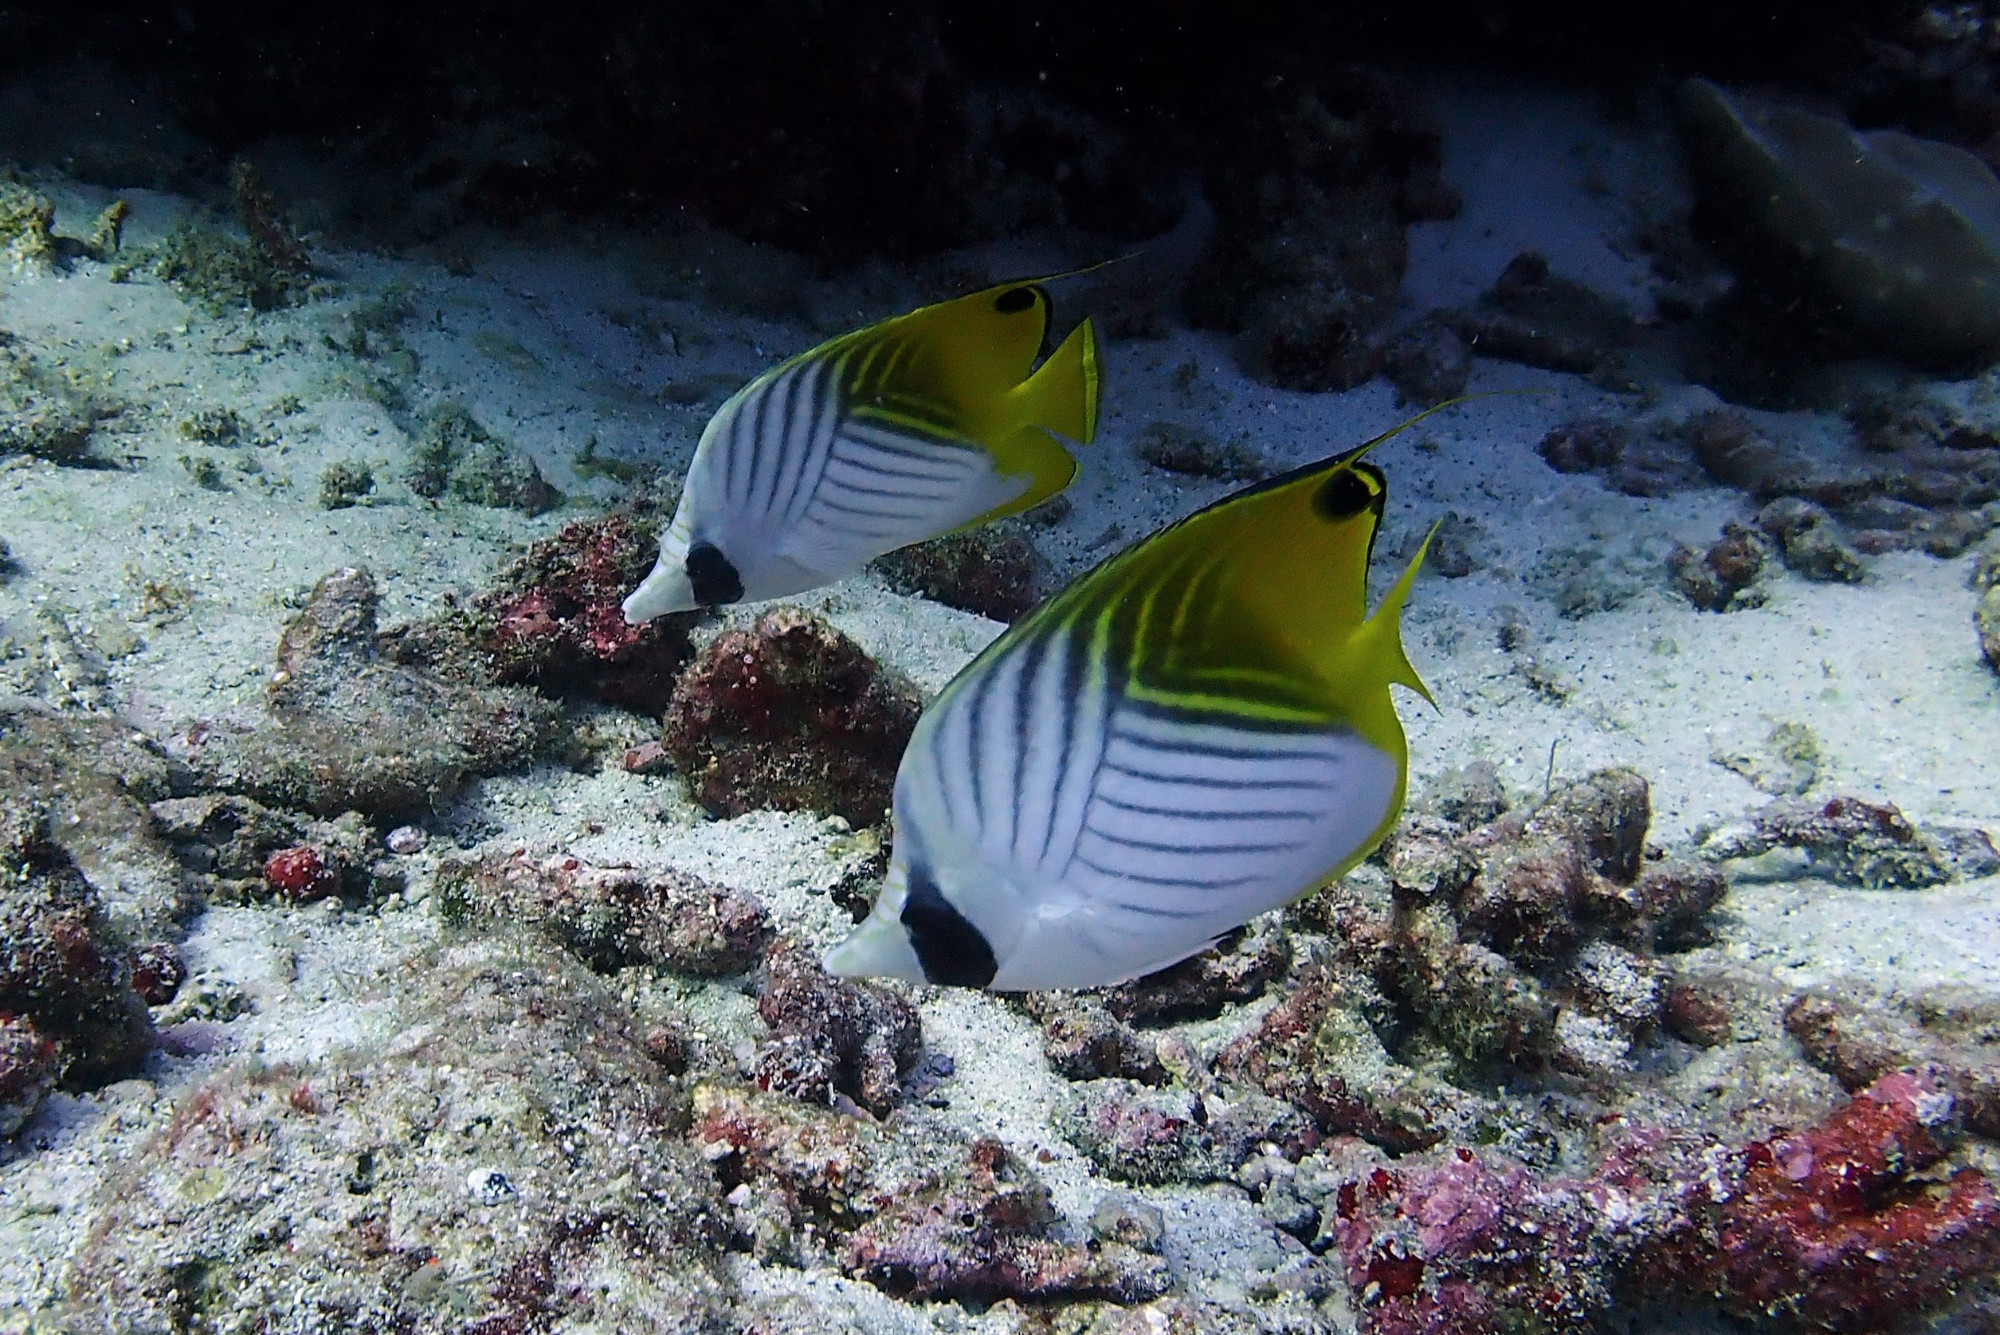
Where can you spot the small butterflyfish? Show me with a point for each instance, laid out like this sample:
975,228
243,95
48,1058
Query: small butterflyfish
909,429
1197,731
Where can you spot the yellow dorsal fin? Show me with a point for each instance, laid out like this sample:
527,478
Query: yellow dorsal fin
1259,603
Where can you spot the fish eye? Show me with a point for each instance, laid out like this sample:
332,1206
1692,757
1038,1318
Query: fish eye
1345,495
1014,299
712,578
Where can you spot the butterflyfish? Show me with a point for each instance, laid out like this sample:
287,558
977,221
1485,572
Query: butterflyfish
909,429
1195,732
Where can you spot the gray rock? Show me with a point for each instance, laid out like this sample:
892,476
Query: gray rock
1899,234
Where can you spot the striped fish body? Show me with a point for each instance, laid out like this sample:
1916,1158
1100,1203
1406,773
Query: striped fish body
900,432
1196,732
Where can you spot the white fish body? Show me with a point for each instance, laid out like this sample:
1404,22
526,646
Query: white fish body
897,433
1197,732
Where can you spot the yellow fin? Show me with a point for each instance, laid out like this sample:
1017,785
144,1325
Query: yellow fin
1061,397
1257,605
1380,639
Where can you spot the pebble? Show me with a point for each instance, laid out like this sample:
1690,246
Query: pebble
406,839
488,1186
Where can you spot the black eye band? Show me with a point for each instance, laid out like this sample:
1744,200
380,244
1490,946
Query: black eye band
714,580
951,950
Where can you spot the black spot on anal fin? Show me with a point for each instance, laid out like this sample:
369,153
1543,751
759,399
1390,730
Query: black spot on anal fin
713,579
951,950
1349,492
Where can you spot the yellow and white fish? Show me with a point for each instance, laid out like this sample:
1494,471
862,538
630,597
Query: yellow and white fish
1195,732
905,430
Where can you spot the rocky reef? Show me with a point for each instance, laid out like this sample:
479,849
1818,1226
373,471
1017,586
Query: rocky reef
790,714
349,728
1309,245
1889,236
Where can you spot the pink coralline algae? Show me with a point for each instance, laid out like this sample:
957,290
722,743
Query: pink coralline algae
301,873
790,714
833,1039
984,1236
1848,1225
558,621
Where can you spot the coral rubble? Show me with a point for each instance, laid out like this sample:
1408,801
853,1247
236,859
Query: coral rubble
1723,577
45,412
834,1039
984,1236
608,917
1844,839
72,1013
1827,1228
264,269
1537,316
231,844
790,713
350,729
457,456
478,1170
553,621
1309,242
994,571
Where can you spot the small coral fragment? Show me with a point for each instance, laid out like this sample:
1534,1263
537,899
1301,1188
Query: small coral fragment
345,484
608,917
266,269
985,1236
1428,363
994,572
158,972
835,1038
1722,578
790,714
